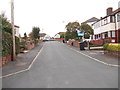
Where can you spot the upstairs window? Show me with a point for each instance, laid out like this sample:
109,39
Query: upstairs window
112,19
118,17
108,18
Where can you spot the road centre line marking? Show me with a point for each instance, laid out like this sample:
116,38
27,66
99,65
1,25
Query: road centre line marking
94,58
21,71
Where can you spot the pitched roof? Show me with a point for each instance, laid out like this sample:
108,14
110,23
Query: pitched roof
93,19
42,34
61,32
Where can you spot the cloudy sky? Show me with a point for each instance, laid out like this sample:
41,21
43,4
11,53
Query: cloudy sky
52,15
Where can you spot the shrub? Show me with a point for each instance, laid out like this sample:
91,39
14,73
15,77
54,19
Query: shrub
6,47
6,44
36,41
112,46
23,44
17,43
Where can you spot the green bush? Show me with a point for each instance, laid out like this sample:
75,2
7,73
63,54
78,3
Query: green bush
112,46
23,44
36,41
6,47
17,43
6,44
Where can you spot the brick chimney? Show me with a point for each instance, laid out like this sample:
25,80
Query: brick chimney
109,10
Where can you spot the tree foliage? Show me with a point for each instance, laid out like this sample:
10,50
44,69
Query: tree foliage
72,28
30,35
6,38
6,26
25,36
87,29
35,32
62,35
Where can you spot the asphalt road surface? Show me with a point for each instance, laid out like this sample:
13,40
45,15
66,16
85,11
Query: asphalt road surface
60,67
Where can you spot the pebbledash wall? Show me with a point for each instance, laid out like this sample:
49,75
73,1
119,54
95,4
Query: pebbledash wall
107,29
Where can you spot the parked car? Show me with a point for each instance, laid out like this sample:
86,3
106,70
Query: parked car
51,39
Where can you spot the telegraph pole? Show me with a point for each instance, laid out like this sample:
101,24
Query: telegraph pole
13,32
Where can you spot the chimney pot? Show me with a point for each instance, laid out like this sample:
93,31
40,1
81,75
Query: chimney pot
109,10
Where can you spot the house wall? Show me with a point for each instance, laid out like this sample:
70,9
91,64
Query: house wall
107,29
57,36
17,31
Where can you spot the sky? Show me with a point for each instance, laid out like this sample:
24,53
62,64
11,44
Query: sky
52,15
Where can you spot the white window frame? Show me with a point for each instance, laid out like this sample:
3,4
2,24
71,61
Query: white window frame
109,34
113,34
103,36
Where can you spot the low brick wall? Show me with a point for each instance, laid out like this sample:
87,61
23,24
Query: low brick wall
74,43
5,60
40,41
30,44
112,53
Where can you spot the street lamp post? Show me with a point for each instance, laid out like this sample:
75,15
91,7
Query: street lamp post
64,30
13,32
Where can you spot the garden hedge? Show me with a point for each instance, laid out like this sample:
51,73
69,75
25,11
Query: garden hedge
112,46
6,47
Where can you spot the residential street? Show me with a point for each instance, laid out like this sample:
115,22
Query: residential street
57,66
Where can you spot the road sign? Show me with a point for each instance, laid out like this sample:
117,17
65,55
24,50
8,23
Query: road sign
80,34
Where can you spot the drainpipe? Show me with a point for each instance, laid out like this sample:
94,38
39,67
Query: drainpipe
116,30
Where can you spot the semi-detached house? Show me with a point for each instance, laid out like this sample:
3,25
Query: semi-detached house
107,29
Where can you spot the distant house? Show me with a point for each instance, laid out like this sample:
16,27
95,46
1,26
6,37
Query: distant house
16,28
107,29
47,37
90,21
57,36
42,35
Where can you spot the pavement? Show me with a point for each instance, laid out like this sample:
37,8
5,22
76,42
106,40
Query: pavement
22,61
98,53
58,66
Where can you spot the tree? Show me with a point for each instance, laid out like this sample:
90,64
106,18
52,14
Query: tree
72,28
62,35
6,26
6,38
25,35
30,35
35,32
87,29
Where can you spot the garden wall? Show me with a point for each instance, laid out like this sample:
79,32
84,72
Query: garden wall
112,53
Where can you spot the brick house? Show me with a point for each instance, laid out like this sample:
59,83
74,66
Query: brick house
107,29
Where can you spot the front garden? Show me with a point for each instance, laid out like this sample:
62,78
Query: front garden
112,49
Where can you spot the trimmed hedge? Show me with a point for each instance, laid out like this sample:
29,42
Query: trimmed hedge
112,46
17,45
6,47
6,44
